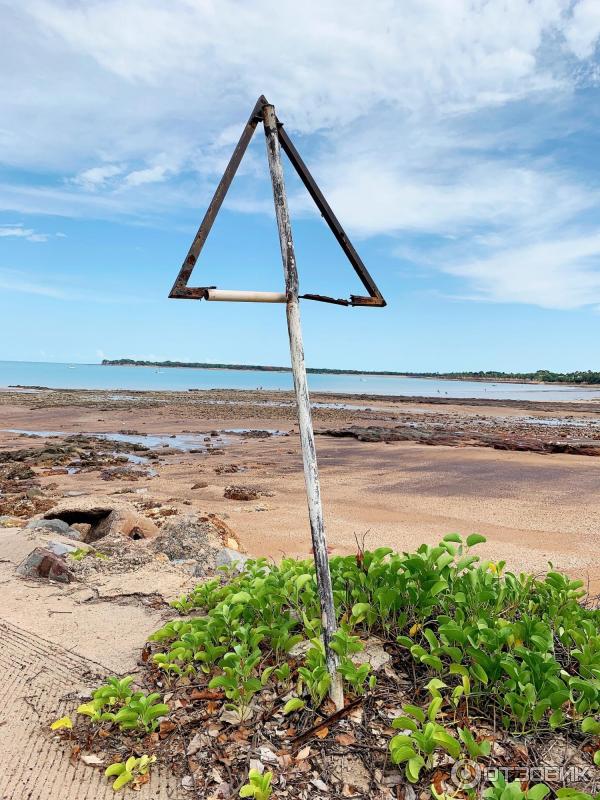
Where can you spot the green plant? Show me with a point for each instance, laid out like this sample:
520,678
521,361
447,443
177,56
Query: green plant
518,649
81,552
501,790
115,690
314,673
258,786
475,749
239,680
135,711
354,675
126,771
141,712
417,747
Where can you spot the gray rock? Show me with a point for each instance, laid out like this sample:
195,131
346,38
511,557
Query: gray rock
61,548
227,557
41,563
56,526
373,654
186,538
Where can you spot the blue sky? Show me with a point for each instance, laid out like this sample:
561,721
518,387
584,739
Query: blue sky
458,142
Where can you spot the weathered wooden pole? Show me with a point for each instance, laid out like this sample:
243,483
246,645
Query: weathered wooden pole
307,438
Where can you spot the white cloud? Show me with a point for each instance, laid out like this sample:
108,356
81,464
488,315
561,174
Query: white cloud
583,28
559,273
97,177
21,232
425,118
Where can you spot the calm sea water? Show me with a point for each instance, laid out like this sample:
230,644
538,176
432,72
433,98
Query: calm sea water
95,376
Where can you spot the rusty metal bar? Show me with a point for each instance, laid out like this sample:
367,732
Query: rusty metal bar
375,297
307,438
322,298
180,288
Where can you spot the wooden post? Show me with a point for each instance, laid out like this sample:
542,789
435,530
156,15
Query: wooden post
307,438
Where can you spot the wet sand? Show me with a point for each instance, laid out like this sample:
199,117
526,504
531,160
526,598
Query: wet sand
533,508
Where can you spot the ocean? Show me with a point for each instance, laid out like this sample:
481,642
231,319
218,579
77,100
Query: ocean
96,376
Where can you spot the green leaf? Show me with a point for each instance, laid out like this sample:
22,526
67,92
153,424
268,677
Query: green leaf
478,671
293,705
360,611
475,538
240,597
302,580
247,791
130,763
402,753
556,719
414,711
590,725
115,769
448,742
438,587
434,708
63,722
123,779
89,709
414,767
597,758
453,537
405,723
537,792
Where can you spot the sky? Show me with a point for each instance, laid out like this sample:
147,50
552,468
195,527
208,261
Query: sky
456,140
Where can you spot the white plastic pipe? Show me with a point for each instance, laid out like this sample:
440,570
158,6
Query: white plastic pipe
233,296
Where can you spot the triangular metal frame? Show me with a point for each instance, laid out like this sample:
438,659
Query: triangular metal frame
181,290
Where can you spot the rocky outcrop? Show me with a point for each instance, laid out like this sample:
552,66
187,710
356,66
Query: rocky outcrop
499,440
55,526
187,538
244,493
104,518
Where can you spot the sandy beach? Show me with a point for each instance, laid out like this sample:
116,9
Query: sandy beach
533,507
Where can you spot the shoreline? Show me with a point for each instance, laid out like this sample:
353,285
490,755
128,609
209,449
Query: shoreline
542,405
357,373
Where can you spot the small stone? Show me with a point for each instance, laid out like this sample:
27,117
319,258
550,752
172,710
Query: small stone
200,485
244,493
267,756
300,649
43,564
188,783
54,525
226,557
373,654
92,760
60,548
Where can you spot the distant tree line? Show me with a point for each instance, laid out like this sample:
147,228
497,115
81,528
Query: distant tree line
129,362
540,376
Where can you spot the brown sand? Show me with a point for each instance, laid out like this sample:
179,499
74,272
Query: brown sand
533,508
